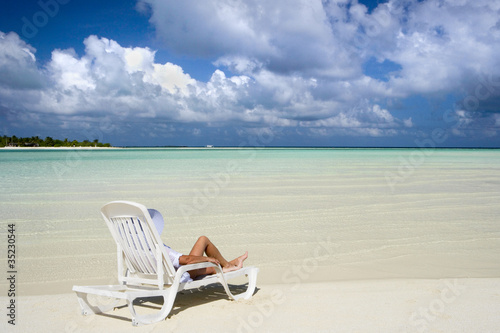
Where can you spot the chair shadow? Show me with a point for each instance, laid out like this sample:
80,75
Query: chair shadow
184,300
196,297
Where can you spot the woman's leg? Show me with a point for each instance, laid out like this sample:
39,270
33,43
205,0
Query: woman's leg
204,246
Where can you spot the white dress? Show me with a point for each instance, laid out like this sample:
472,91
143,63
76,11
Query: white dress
174,258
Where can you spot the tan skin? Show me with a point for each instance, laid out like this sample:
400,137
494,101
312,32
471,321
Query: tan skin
204,246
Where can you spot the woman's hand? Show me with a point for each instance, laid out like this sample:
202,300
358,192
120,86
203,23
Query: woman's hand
213,260
190,259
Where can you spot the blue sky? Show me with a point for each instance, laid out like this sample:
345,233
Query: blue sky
245,73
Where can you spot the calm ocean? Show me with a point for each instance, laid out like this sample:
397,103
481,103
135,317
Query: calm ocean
397,207
25,172
58,175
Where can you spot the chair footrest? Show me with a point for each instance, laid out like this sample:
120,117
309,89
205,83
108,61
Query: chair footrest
118,291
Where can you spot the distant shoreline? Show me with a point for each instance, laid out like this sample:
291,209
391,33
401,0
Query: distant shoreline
58,148
295,147
235,147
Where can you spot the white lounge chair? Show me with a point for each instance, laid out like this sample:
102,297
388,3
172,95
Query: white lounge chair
145,269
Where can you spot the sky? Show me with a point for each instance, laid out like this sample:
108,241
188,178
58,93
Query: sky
341,73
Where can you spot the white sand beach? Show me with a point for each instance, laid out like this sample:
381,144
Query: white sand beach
449,305
339,249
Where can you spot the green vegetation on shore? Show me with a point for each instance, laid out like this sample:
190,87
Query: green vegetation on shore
35,141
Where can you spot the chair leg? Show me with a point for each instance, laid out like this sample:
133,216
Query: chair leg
168,302
252,282
88,309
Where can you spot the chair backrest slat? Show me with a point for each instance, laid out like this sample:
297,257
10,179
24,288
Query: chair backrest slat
144,249
121,238
141,245
131,244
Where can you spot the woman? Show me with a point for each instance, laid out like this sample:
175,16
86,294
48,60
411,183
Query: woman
202,246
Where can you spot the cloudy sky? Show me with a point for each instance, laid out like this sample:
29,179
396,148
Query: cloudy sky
253,72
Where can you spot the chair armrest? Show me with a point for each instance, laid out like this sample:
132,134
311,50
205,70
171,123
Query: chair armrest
191,267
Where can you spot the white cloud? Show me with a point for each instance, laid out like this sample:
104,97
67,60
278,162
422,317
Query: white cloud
169,76
287,36
363,119
442,43
69,72
408,122
438,44
18,64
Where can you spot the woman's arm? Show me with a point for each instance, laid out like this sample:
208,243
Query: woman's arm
190,259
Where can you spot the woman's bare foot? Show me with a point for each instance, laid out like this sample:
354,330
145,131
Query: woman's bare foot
235,264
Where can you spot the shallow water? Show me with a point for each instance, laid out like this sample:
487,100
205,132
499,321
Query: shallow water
307,214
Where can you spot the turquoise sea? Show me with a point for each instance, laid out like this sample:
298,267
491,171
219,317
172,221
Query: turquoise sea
23,169
403,211
40,175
